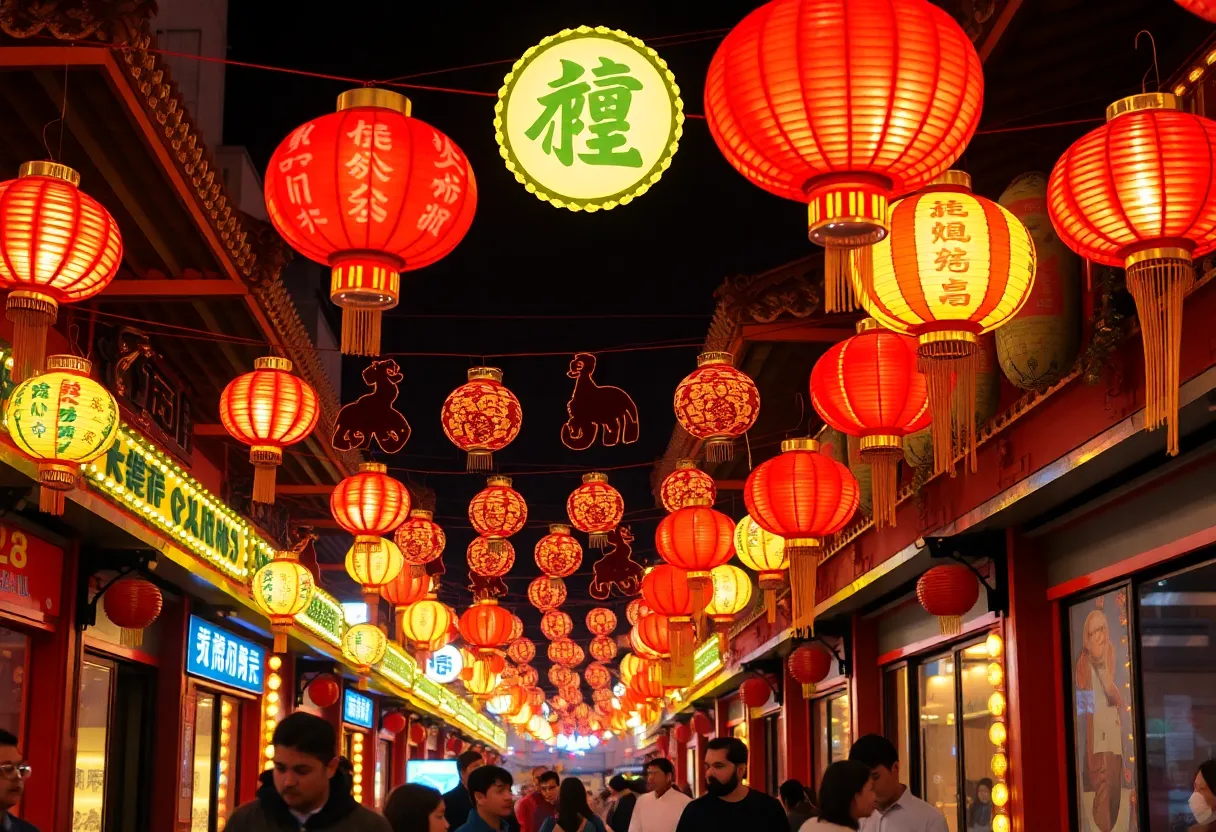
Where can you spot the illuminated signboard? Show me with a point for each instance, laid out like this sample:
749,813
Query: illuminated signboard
219,656
588,118
444,665
357,709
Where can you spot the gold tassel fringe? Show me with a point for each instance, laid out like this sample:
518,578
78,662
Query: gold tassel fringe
360,331
32,315
597,540
946,364
280,642
951,625
720,449
1159,286
479,460
804,563
131,638
884,474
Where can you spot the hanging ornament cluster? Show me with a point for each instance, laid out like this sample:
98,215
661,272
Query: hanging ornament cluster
497,512
763,553
481,416
686,482
370,504
373,416
420,539
369,192
717,404
558,554
596,508
282,589
597,410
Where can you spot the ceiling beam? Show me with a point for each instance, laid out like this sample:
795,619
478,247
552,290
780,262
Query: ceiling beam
786,331
169,289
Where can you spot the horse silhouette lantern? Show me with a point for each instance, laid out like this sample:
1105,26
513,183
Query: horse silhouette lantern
617,567
595,410
372,415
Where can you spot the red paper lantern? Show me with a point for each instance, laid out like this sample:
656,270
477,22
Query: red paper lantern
601,621
646,685
455,745
536,698
498,511
485,625
683,734
57,245
595,507
555,625
528,677
802,496
547,593
696,539
490,558
686,482
667,591
654,633
702,724
948,591
324,691
1137,193
481,416
370,502
561,676
755,692
717,404
268,409
642,649
794,110
369,192
420,539
597,676
565,652
394,722
522,650
1202,8
517,627
558,554
869,386
602,649
132,604
810,664
404,590
635,610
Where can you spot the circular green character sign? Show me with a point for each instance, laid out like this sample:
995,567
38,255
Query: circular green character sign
589,118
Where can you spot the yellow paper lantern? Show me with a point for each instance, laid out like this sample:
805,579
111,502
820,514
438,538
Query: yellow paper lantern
364,645
521,716
373,562
540,728
732,594
763,553
424,626
62,419
282,589
482,681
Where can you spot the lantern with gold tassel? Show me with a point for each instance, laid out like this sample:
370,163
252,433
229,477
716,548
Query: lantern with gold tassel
282,589
763,553
731,595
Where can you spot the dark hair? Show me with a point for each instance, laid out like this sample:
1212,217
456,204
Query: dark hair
792,793
7,739
467,759
736,749
571,803
409,805
662,764
548,777
874,750
619,783
984,781
841,782
1208,769
307,734
485,778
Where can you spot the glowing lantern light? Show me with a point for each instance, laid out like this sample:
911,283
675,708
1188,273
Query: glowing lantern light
364,645
482,681
507,699
635,609
948,591
536,698
558,554
37,424
498,511
547,593
601,621
602,649
420,540
595,507
696,539
802,496
869,386
667,592
810,664
528,677
404,591
1201,8
561,676
639,645
646,685
268,409
132,604
481,417
755,692
424,626
57,245
654,634
282,589
521,650
793,110
717,404
517,628
485,625
370,502
763,553
522,716
324,691
373,562
555,625
490,558
597,676
355,190
731,595
566,653
687,482
683,734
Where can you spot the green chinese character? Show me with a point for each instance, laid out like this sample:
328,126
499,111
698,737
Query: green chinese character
64,437
569,98
137,471
38,409
608,107
155,489
208,525
41,390
67,414
114,462
221,536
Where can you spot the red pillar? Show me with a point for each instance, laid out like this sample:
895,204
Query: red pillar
441,741
681,761
797,728
721,717
175,724
757,753
401,753
865,689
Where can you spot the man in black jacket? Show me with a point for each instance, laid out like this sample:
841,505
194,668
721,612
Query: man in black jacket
457,803
624,798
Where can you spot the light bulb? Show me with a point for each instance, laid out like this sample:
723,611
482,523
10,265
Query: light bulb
1000,764
997,734
270,751
996,675
272,697
1000,823
275,662
995,645
996,704
1000,795
272,710
273,681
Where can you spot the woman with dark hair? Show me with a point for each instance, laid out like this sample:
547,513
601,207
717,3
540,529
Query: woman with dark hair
1203,801
573,813
415,808
979,813
845,797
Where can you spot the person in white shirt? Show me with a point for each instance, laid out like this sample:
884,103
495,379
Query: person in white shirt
660,808
897,809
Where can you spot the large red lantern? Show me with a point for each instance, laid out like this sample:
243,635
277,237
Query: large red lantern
420,540
1137,193
948,591
653,631
490,560
686,482
641,648
547,593
481,416
57,245
521,650
646,685
404,590
697,539
601,621
795,110
702,724
556,624
268,409
667,592
602,649
132,604
565,652
802,496
717,404
683,734
485,625
558,554
370,502
394,722
755,692
869,386
595,507
369,192
810,664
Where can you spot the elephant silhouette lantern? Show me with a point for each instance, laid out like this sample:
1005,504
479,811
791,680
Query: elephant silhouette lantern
372,415
617,567
595,410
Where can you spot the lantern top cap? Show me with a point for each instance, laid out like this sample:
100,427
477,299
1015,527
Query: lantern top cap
285,555
954,178
492,373
685,464
375,97
801,443
595,476
499,479
54,170
373,468
421,513
868,325
1143,101
70,363
559,528
272,362
697,502
707,359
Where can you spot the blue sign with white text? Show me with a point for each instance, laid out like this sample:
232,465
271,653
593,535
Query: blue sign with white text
357,709
219,656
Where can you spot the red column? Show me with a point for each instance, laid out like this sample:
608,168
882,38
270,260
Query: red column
401,753
757,754
797,728
681,761
441,741
865,689
721,717
174,721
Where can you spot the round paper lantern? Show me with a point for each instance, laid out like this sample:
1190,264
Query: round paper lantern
483,681
455,745
717,404
485,625
57,245
595,507
481,417
810,664
405,590
363,645
490,558
268,409
565,652
324,691
667,592
394,722
802,496
498,511
948,591
424,626
597,676
642,649
763,553
601,621
521,650
373,562
555,625
683,734
868,386
521,716
702,724
370,502
646,685
282,589
369,192
755,692
420,540
132,604
793,109
635,609
654,633
602,695
696,539
558,554
536,698
507,699
528,677
547,593
1136,193
731,595
62,419
517,628
1202,8
956,266
686,482
561,676
602,649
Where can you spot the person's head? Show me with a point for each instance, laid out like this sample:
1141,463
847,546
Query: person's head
846,793
305,758
547,785
572,804
725,765
490,790
880,756
415,808
1097,635
618,785
983,790
468,762
536,773
1203,800
13,771
660,774
791,794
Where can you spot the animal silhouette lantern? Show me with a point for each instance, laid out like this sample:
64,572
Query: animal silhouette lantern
486,587
594,410
617,567
372,415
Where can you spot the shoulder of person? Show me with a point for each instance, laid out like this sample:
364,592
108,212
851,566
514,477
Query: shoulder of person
21,825
817,825
368,820
243,816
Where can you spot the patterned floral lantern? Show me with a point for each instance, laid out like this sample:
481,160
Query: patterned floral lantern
517,629
546,594
369,192
763,553
731,595
602,649
490,558
536,698
132,604
561,676
481,417
565,652
405,590
810,664
601,695
636,609
420,540
687,482
424,627
555,625
696,538
948,591
595,507
485,626
558,554
717,404
521,650
364,645
498,511
507,699
601,621
62,419
373,562
528,677
597,676
282,589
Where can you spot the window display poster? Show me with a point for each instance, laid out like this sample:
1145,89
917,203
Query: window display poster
1105,772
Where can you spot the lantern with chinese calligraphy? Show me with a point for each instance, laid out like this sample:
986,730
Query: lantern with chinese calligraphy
369,192
561,676
363,645
132,603
517,628
636,609
546,593
1136,193
948,591
595,507
597,676
654,634
802,496
696,538
521,650
731,595
420,540
282,589
793,110
405,590
424,626
497,512
481,416
667,592
558,554
602,649
956,266
763,553
63,419
868,386
601,621
717,404
536,697
565,652
268,409
57,245
810,664
686,482
489,560
555,624
373,562
485,625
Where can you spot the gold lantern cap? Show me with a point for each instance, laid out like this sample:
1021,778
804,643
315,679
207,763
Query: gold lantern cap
491,373
372,468
1143,101
707,359
375,97
954,179
286,555
868,325
801,443
421,513
52,169
69,363
272,362
697,502
559,528
499,479
685,464
595,476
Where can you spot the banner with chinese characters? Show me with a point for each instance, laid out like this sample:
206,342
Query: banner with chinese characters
357,710
217,655
31,571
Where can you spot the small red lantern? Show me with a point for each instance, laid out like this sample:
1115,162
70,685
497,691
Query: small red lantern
485,625
687,482
755,692
597,676
498,511
565,652
455,745
683,734
602,649
417,734
132,604
370,502
546,593
595,507
666,590
555,625
810,664
948,591
558,554
324,691
394,722
696,539
521,650
717,404
481,416
528,677
420,539
702,724
1201,8
490,558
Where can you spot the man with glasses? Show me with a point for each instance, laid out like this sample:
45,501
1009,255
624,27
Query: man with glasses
13,773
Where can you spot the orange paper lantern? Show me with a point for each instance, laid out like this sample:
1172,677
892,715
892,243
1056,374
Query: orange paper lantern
696,539
601,621
420,540
498,511
558,554
602,649
488,560
565,652
948,591
595,507
521,650
686,482
485,625
555,624
404,590
547,593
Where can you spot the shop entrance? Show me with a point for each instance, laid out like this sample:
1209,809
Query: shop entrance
216,733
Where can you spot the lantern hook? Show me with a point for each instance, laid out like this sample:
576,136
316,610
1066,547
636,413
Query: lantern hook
838,651
123,563
965,549
1154,69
